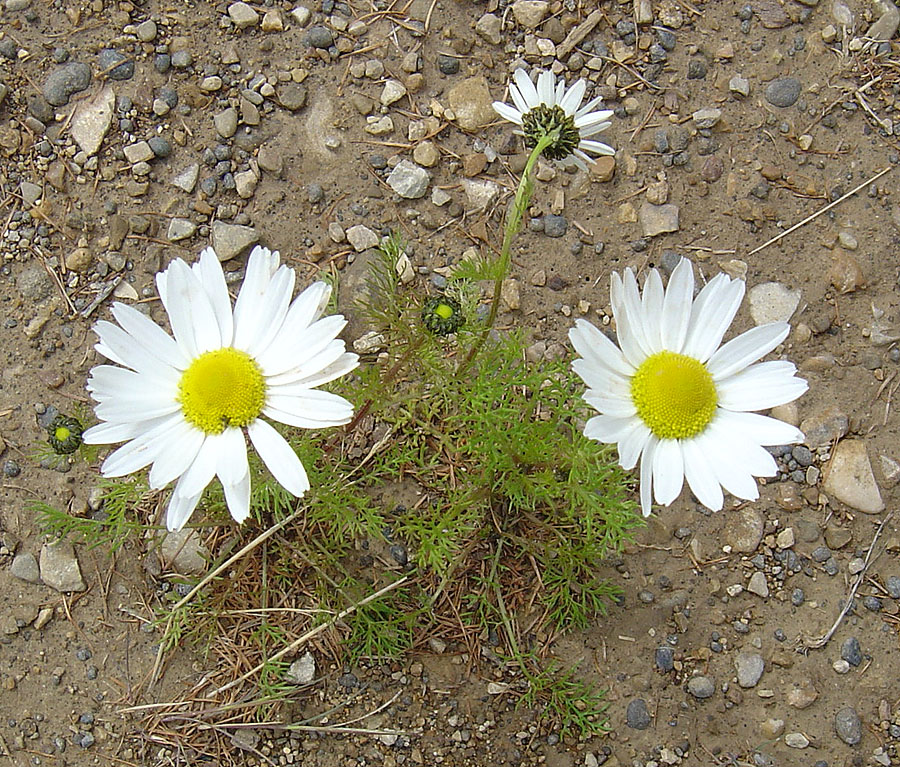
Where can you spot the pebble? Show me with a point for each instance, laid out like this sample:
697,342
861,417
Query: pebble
758,585
802,694
180,229
146,31
361,238
892,584
182,59
302,670
226,122
116,65
392,92
708,117
231,240
796,740
744,530
292,96
25,567
783,92
480,193
409,180
59,567
701,687
825,427
187,179
319,37
426,154
471,102
749,668
851,651
851,480
554,225
772,302
665,658
448,65
636,715
91,121
658,219
847,726
184,552
739,85
489,27
845,274
242,15
63,82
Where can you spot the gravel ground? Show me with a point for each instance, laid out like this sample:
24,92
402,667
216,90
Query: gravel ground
135,132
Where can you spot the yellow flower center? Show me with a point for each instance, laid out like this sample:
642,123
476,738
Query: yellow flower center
222,388
62,433
674,395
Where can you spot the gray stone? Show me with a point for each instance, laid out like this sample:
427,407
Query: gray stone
426,154
25,567
850,478
772,302
230,240
749,667
658,219
744,530
319,37
471,103
187,179
115,65
707,117
361,238
59,567
530,13
851,651
758,585
637,717
825,427
409,180
292,96
92,120
490,28
30,192
301,14
138,152
393,91
180,229
701,687
183,551
302,670
33,283
848,726
783,92
796,740
480,193
226,122
17,5
242,15
892,584
555,226
182,59
146,31
270,160
70,78
245,183
739,85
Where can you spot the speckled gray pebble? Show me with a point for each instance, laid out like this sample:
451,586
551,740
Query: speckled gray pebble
555,226
115,65
851,651
892,584
637,717
848,726
319,37
783,92
701,687
749,667
665,658
63,82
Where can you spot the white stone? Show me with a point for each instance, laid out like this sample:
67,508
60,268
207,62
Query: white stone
530,13
758,585
180,229
772,302
183,551
230,240
393,91
481,193
59,567
245,183
850,478
92,120
361,238
409,180
138,152
187,179
242,15
302,670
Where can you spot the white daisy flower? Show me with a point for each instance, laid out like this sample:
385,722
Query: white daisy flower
548,107
671,396
183,403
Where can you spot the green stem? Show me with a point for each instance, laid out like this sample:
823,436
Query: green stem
513,221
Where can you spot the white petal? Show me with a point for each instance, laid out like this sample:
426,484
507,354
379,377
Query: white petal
279,457
125,408
545,88
108,433
234,473
191,315
759,429
341,366
594,346
560,91
143,449
652,309
260,267
150,336
519,100
750,456
110,381
316,365
209,271
121,347
589,119
602,379
203,468
631,347
572,98
732,471
172,462
605,428
507,112
647,476
760,386
589,107
747,348
618,407
289,352
255,330
180,509
700,475
526,89
315,406
668,471
633,444
677,306
713,312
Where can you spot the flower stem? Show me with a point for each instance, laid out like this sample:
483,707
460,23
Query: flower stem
510,229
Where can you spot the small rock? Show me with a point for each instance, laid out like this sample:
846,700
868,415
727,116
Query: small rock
30,192
184,552
272,22
772,302
758,585
603,169
892,584
772,728
146,31
180,229
851,651
658,219
785,538
302,670
25,567
749,667
783,92
230,240
471,101
301,15
187,179
848,726
409,180
226,122
637,717
850,478
140,151
796,740
319,37
370,342
292,96
836,537
530,13
510,295
115,65
555,226
245,183
70,78
242,15
890,470
92,120
270,160
821,429
846,275
393,91
489,27
701,687
361,238
707,117
802,694
744,530
426,154
665,658
59,567
739,85
481,193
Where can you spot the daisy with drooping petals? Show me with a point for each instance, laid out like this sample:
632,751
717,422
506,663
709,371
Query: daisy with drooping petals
671,396
547,107
183,403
